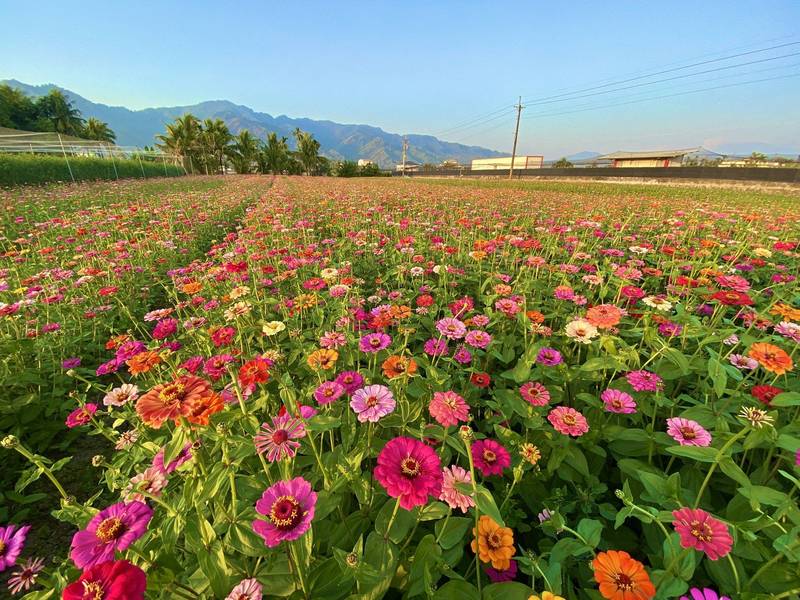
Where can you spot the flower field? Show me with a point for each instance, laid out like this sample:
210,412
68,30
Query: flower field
315,388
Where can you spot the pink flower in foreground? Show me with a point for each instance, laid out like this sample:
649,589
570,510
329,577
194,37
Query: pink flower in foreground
701,531
568,421
373,402
535,393
617,401
278,440
247,589
490,457
687,432
643,381
112,529
81,415
448,408
454,497
409,470
26,577
328,391
12,540
289,509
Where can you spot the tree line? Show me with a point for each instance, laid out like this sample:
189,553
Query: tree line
209,147
52,112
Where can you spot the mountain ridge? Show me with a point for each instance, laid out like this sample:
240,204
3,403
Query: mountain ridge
338,141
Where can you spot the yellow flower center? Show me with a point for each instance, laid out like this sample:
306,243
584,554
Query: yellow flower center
410,466
110,529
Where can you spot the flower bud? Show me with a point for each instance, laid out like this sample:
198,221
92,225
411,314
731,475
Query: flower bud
9,442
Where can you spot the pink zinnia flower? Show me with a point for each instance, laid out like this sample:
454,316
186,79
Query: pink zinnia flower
117,580
448,408
350,381
81,415
463,356
332,339
687,432
278,439
183,456
549,357
704,594
490,457
12,540
247,589
374,342
568,421
328,391
643,381
450,493
535,393
165,328
451,328
289,508
114,528
121,395
409,470
26,577
617,401
478,339
373,402
701,531
434,347
152,482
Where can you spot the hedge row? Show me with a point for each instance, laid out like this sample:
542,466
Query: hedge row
19,169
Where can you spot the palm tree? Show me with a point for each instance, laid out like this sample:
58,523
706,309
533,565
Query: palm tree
273,155
56,108
215,138
307,150
243,151
97,130
182,140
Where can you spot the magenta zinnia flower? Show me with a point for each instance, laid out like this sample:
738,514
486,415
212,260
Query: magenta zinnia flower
435,347
450,493
112,529
687,432
372,403
12,540
535,393
568,421
350,381
81,415
247,589
289,508
409,470
451,328
448,408
643,381
278,439
374,342
116,580
549,357
701,531
704,594
328,391
617,401
497,576
490,457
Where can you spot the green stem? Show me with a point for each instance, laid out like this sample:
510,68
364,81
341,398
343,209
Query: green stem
735,573
391,519
713,467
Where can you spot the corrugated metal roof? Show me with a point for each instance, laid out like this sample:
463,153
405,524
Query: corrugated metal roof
654,153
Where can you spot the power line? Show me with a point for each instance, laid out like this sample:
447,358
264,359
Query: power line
480,120
718,87
663,72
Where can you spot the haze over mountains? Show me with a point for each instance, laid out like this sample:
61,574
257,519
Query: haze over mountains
338,141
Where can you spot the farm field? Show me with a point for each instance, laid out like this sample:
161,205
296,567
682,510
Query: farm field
329,388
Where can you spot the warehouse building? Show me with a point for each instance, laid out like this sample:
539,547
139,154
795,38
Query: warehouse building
660,158
503,163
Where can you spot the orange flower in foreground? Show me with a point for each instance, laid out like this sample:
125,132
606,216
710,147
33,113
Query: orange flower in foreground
395,366
773,359
188,396
622,577
192,287
323,359
535,316
493,543
142,362
604,316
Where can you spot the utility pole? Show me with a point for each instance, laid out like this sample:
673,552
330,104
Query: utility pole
516,133
405,149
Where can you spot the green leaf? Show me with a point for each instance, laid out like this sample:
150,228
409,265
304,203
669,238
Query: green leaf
403,522
786,399
486,504
457,590
510,590
702,454
323,423
424,570
732,470
215,568
591,531
451,534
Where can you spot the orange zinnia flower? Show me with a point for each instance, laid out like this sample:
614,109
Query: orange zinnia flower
535,316
400,312
787,312
604,316
323,359
395,366
143,362
622,577
773,359
493,543
192,287
117,341
188,396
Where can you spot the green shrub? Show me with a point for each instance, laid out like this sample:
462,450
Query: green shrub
19,169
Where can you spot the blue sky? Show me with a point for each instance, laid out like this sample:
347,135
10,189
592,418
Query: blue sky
423,67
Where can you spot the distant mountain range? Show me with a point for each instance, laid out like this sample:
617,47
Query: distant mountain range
338,141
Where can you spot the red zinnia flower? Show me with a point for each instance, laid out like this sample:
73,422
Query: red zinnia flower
765,393
254,371
480,380
114,580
